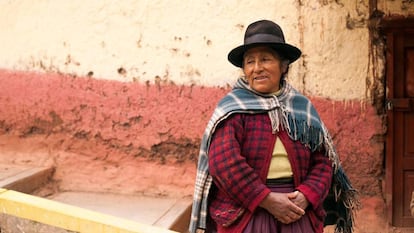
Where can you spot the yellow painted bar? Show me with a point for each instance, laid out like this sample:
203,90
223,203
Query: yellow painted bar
68,217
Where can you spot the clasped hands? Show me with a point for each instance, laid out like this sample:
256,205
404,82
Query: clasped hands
285,207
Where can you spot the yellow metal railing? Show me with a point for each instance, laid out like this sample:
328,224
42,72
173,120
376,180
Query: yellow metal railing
68,217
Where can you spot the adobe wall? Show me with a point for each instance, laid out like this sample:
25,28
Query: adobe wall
114,125
116,96
143,78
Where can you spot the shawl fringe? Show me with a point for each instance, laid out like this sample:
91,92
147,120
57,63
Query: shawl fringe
341,203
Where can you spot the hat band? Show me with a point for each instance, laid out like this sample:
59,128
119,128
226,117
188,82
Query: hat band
263,38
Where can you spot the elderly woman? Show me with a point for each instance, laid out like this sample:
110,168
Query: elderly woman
266,160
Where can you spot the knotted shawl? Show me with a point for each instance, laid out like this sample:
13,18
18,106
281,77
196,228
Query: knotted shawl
290,111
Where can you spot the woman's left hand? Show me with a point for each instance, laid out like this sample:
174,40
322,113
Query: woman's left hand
299,199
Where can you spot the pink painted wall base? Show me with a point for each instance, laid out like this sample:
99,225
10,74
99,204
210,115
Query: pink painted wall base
120,135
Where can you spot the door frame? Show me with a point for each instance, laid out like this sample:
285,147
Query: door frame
392,28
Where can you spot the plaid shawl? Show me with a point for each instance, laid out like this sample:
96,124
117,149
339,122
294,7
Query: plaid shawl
290,111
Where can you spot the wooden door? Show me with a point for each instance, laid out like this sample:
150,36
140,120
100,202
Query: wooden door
399,163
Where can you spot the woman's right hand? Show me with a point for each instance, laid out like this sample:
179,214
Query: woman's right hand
282,208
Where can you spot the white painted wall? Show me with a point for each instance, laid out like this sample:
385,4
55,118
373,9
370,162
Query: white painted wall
185,41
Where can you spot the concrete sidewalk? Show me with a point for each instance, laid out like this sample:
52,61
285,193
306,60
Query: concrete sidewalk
169,213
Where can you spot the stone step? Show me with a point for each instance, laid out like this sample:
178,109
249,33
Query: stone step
165,212
22,178
168,213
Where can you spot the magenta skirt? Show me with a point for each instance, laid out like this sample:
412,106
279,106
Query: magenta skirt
263,222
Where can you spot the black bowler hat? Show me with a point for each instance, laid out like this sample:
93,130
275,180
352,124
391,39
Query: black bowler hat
268,33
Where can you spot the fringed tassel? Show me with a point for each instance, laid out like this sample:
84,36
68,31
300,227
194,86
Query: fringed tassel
341,203
275,121
312,137
278,117
330,148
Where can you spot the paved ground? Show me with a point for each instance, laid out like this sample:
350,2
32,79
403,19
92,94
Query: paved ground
159,211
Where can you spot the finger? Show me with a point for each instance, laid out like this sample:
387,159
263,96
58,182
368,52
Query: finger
293,195
294,216
287,219
284,220
296,209
300,213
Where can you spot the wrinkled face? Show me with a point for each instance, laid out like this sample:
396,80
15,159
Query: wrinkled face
263,69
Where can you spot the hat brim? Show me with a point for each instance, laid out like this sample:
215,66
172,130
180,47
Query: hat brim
288,51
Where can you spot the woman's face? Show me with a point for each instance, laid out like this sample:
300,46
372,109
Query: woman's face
263,70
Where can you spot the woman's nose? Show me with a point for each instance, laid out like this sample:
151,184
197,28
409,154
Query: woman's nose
258,66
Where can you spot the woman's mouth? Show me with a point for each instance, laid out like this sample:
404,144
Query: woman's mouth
259,78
